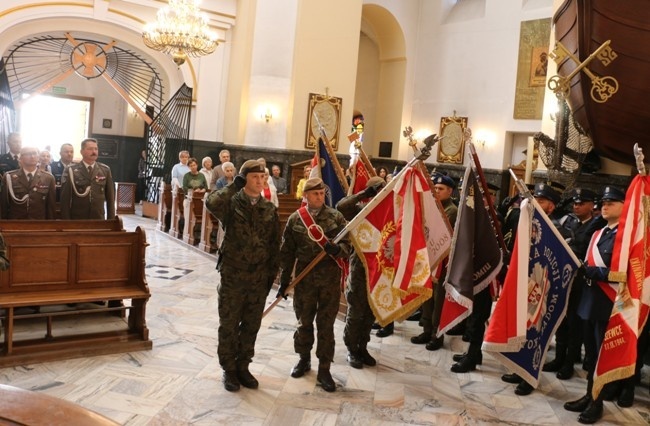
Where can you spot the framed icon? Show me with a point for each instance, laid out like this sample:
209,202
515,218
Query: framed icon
325,111
452,145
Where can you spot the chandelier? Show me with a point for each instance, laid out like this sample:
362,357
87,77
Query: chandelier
180,30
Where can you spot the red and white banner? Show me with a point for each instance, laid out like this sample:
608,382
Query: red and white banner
392,242
630,268
359,177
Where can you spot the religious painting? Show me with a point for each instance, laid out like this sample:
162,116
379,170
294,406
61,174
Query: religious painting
323,117
538,66
452,143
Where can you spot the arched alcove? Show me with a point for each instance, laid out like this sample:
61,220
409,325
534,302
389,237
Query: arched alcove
381,76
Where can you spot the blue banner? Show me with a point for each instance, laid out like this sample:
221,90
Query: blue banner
334,191
552,267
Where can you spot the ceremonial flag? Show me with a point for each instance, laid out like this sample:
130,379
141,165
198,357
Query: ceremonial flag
391,242
325,166
534,297
630,268
475,258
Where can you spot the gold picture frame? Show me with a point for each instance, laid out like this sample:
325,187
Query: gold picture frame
451,147
328,111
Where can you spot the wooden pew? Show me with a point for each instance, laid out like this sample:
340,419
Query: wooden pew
61,266
178,199
208,225
61,225
193,217
165,207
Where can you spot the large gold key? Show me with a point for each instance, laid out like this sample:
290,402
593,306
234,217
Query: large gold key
602,88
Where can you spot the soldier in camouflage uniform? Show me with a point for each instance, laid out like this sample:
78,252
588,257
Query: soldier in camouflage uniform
359,318
317,295
248,263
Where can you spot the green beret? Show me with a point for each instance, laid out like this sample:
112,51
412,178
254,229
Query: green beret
251,166
313,183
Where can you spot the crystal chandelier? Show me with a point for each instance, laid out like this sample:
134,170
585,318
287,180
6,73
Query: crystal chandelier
180,30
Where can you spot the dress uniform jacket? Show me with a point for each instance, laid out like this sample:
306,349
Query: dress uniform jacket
8,163
22,199
594,304
84,195
57,170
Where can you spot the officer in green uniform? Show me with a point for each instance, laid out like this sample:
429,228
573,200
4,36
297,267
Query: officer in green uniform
432,308
87,187
359,317
317,295
248,263
28,193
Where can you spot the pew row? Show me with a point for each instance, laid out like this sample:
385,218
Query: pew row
64,274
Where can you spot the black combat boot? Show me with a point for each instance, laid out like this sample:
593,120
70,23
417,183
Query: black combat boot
367,358
593,413
421,338
324,378
556,364
435,343
458,357
246,378
302,367
579,405
386,331
355,360
230,381
469,361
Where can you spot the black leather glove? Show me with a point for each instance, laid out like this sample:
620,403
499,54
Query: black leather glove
596,273
332,249
282,292
372,191
239,181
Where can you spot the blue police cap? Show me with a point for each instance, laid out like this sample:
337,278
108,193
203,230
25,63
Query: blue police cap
545,190
611,193
580,195
444,180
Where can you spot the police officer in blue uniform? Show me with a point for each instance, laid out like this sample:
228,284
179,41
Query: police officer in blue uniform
595,306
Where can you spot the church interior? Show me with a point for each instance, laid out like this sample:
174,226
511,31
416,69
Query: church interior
272,76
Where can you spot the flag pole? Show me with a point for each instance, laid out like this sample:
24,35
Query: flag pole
486,191
425,152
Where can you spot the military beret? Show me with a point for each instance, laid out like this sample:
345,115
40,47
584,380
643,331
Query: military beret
251,166
313,183
375,180
444,180
611,193
582,194
545,190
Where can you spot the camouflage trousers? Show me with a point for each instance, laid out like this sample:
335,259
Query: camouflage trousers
432,309
242,297
359,317
317,297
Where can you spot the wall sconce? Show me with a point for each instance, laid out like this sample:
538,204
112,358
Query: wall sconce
485,139
267,115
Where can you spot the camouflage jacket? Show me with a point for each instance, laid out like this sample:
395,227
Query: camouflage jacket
297,246
252,232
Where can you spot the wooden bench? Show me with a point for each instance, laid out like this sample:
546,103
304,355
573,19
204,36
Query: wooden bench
193,217
61,266
61,225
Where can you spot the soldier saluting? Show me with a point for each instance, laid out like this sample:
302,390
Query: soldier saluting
87,186
248,263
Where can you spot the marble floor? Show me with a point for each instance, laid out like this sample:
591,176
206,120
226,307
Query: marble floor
179,381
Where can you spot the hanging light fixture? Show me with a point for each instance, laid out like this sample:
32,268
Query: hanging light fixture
180,30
